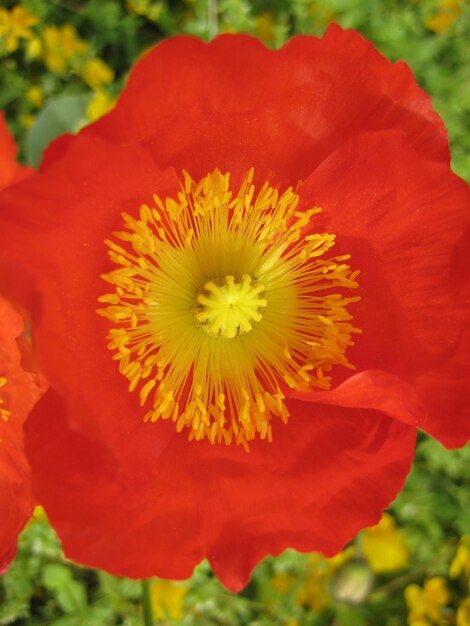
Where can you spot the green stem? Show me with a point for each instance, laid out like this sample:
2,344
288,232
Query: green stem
147,603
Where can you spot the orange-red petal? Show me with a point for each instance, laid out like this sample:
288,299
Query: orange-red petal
159,510
406,222
282,111
10,171
18,395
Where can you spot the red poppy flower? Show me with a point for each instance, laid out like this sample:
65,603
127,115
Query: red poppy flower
225,383
18,393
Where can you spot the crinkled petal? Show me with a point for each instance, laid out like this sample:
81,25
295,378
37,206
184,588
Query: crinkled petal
196,500
404,220
17,397
202,106
372,389
57,275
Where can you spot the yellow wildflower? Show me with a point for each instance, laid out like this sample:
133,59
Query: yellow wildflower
282,581
321,14
167,599
60,44
96,73
33,48
339,560
151,11
264,28
448,13
426,603
15,25
460,564
138,7
314,593
38,515
35,96
463,613
27,120
99,104
384,546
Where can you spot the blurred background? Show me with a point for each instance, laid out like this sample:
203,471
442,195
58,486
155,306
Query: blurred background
62,65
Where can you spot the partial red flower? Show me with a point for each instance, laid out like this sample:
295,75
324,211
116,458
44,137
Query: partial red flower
18,392
10,171
250,288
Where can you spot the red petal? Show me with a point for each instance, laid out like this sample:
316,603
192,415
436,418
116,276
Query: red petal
10,171
18,396
57,274
326,475
448,388
233,104
159,511
372,389
402,218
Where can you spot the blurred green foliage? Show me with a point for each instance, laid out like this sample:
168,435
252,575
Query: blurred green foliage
55,78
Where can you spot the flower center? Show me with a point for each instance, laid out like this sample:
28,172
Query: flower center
230,307
222,301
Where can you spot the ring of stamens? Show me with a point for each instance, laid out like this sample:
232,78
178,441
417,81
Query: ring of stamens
220,302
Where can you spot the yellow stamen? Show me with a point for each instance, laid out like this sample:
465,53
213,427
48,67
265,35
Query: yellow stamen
220,300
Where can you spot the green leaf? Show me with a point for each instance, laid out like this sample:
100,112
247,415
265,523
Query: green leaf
70,594
64,114
72,597
54,576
